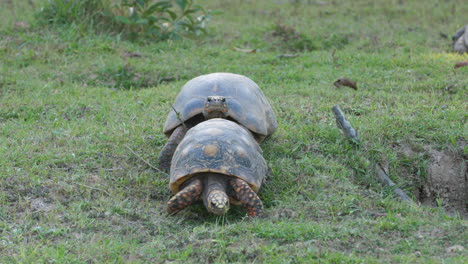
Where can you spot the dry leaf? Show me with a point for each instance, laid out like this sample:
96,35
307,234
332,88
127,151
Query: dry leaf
379,215
461,64
345,82
132,55
288,56
245,50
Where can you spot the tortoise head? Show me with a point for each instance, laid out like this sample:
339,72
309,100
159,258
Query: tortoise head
217,202
215,107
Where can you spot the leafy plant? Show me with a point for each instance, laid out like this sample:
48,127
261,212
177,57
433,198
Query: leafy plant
162,20
132,19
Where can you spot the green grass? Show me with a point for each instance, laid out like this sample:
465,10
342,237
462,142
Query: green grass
72,105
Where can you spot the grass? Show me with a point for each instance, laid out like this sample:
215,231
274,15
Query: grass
72,104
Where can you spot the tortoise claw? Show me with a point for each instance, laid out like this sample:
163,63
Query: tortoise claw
248,198
187,196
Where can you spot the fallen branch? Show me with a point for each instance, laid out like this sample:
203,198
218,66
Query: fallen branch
344,124
385,180
382,176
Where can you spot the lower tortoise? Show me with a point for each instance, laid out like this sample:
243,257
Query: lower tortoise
218,162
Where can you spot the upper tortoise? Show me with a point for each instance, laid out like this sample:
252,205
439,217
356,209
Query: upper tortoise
217,95
218,162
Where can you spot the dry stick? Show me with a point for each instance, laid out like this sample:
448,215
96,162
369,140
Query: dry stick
147,163
350,132
383,177
178,116
344,124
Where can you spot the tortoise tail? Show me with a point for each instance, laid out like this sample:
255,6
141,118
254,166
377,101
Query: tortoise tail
165,156
187,196
248,198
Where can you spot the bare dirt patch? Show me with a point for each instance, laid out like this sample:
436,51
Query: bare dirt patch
40,205
446,177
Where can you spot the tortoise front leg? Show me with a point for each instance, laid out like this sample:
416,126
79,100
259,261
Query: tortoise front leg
185,197
165,156
248,198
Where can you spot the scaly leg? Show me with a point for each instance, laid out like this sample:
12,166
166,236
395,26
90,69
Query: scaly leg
185,197
247,197
165,156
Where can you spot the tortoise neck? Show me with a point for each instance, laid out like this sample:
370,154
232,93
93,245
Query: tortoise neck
215,198
214,114
213,182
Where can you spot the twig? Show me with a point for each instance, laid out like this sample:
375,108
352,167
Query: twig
283,56
93,188
147,163
335,58
178,116
344,124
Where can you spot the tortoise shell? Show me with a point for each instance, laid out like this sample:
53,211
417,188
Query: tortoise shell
219,146
247,105
465,36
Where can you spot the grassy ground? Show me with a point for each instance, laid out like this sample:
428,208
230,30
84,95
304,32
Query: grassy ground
74,105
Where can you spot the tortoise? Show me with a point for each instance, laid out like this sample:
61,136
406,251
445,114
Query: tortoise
217,95
219,162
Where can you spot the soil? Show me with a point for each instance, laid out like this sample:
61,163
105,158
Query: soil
446,180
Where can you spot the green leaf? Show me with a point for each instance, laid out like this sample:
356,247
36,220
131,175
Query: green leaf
190,18
158,7
126,3
185,25
182,4
141,2
172,14
164,19
190,11
123,19
142,21
153,19
135,16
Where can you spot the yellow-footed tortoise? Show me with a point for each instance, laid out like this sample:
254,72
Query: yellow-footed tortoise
217,95
219,162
